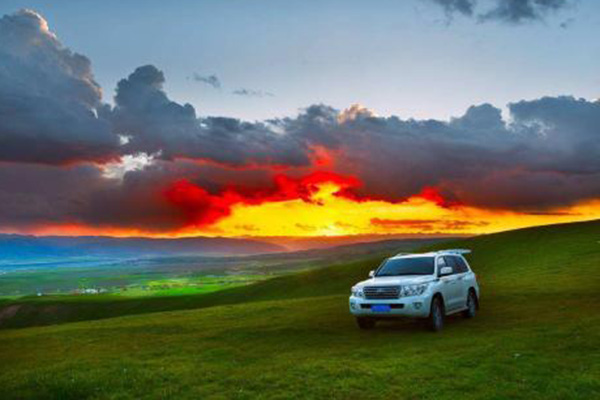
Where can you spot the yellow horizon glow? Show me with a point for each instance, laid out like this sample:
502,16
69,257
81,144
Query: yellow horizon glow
329,215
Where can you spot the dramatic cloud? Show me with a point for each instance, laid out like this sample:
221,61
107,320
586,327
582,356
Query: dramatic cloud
210,80
48,98
162,197
34,194
546,157
518,11
507,11
203,208
151,164
464,7
157,125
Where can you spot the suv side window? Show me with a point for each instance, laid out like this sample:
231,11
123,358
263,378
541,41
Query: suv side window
451,262
458,263
462,265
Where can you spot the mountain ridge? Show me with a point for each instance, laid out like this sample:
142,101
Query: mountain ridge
29,246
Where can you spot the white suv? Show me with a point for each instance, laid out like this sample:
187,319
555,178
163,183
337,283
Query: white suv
426,285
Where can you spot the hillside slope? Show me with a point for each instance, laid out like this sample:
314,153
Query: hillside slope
521,258
536,336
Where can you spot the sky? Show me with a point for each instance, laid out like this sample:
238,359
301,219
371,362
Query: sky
404,58
273,118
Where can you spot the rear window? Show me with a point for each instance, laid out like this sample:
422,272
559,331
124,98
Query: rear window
462,265
457,263
407,266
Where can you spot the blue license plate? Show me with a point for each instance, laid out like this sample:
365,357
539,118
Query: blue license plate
380,308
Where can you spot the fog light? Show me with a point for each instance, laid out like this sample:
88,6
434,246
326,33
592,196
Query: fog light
417,305
352,305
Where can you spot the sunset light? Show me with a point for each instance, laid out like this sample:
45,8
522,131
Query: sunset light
322,209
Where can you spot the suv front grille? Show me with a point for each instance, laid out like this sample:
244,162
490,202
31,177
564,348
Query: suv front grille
381,292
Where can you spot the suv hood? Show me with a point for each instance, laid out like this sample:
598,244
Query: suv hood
396,280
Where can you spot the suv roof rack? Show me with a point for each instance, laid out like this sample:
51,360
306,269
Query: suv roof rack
455,251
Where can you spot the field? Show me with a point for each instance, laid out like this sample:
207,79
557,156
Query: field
537,336
169,275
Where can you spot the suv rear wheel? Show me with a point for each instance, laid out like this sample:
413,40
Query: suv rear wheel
436,314
471,305
365,322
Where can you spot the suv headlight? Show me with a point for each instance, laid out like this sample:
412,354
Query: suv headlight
413,290
357,292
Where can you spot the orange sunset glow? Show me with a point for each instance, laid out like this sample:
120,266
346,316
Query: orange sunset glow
323,211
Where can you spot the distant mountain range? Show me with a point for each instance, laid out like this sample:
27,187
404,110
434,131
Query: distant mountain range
321,242
21,246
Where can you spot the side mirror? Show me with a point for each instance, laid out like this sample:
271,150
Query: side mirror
445,271
371,274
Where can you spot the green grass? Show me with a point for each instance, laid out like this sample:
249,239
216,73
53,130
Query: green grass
189,285
537,336
121,280
47,310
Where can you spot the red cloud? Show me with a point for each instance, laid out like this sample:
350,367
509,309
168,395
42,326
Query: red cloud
434,195
198,206
201,208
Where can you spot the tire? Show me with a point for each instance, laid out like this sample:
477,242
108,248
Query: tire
436,314
471,305
365,323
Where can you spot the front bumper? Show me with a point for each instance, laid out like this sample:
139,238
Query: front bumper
414,307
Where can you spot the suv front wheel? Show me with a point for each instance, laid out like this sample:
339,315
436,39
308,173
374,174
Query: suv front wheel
436,314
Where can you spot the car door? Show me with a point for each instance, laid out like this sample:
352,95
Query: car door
454,285
449,284
462,272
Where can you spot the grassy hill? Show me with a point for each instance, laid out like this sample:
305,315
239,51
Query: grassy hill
537,336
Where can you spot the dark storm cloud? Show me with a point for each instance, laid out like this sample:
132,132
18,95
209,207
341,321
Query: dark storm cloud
36,195
144,113
519,11
506,11
48,98
155,124
211,80
546,155
464,7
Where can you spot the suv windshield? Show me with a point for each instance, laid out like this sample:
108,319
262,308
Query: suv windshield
407,266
